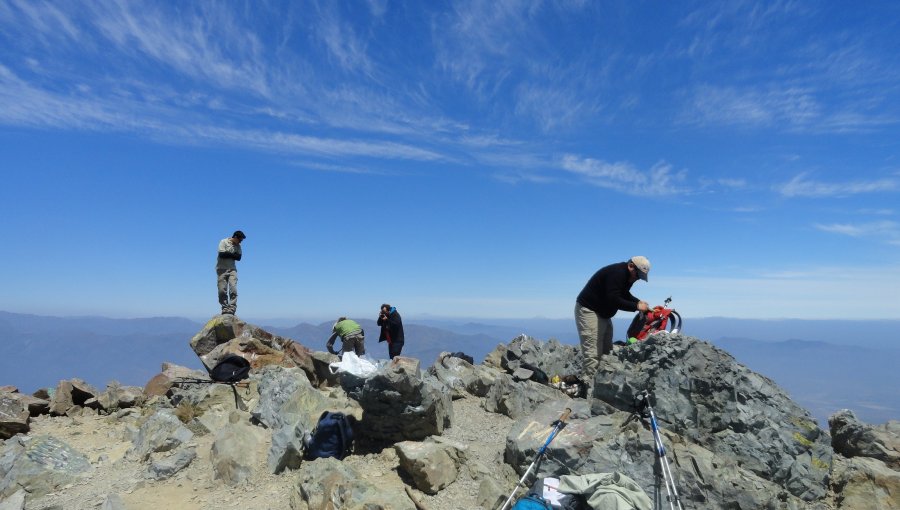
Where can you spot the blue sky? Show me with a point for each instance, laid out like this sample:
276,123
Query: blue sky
468,159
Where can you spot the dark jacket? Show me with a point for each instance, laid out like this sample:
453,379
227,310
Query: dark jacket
391,328
609,291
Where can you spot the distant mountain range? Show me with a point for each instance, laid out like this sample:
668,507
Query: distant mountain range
838,364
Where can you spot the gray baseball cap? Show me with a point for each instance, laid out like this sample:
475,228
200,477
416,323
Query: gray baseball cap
643,266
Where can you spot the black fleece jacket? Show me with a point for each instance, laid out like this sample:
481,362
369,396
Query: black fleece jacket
393,326
609,291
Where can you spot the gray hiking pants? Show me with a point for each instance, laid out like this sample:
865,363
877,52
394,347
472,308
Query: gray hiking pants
355,342
227,283
596,334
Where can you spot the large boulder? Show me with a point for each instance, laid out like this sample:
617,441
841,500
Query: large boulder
398,403
852,438
327,484
862,483
14,502
35,406
14,416
226,334
162,382
290,406
517,398
432,464
117,397
455,373
161,432
551,357
70,394
710,399
164,466
620,442
235,451
39,465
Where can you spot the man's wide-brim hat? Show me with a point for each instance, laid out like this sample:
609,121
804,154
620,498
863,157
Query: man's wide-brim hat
642,265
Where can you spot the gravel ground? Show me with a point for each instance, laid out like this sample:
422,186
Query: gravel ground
102,440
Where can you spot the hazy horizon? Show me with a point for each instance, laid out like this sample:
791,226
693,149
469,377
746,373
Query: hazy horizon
826,365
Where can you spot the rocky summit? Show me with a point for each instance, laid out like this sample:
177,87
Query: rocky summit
452,435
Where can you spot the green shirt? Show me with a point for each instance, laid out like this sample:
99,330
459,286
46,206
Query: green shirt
345,327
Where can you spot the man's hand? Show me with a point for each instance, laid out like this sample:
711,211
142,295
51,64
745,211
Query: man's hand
642,306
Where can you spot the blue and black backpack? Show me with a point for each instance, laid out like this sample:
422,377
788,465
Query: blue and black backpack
332,437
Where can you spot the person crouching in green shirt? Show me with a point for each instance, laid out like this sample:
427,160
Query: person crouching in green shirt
353,338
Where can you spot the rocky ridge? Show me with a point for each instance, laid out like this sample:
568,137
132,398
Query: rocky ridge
453,436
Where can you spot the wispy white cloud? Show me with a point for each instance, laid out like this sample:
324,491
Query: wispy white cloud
889,230
660,179
206,44
802,186
342,41
23,105
344,169
494,47
43,20
553,106
294,143
837,81
752,107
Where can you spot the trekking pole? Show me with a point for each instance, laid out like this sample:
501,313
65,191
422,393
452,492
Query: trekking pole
671,490
557,426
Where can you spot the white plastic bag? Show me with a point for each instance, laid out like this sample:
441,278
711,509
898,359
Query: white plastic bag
353,364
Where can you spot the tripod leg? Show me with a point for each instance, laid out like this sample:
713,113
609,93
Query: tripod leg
238,401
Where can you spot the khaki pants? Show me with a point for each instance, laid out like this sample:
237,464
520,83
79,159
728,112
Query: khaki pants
227,283
596,334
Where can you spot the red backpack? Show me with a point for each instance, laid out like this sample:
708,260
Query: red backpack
659,318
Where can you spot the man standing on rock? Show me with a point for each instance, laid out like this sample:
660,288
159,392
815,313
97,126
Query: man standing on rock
391,329
353,337
607,292
226,271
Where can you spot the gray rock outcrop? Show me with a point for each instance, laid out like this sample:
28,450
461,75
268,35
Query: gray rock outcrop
618,443
165,466
291,407
399,404
161,432
14,416
235,452
456,374
326,484
227,334
117,397
862,483
39,465
432,464
71,395
852,438
14,502
518,398
551,357
708,398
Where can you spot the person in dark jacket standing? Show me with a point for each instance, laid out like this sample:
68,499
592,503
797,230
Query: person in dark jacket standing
391,329
607,292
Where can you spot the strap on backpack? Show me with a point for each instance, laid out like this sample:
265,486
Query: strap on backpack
345,449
